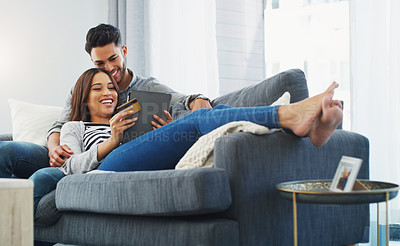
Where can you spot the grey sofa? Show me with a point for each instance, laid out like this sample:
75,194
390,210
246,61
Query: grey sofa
235,203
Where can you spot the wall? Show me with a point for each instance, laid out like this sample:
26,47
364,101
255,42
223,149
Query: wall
42,49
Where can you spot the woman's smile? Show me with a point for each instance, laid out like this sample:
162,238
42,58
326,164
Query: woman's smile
102,98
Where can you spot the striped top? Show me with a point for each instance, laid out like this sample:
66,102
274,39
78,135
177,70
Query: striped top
82,138
95,134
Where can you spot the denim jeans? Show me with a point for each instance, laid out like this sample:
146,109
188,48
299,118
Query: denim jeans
44,181
21,159
164,147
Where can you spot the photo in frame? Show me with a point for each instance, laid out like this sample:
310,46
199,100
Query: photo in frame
346,174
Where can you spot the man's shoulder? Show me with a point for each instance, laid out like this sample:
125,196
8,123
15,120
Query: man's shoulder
140,79
145,84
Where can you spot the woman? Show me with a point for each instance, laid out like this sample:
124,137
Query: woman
95,133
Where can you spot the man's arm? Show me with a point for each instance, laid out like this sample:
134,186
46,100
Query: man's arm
153,85
190,103
193,106
64,116
58,153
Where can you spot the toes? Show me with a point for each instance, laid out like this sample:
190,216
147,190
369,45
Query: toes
337,103
326,103
332,87
331,111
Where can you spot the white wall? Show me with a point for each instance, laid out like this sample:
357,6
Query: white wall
42,49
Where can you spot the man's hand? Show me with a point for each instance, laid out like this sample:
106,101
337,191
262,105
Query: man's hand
59,154
161,122
199,103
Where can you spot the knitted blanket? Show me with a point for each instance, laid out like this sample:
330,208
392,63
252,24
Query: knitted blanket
201,154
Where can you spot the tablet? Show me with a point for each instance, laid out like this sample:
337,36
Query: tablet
145,104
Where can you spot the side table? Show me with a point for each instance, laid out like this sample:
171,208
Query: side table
317,191
16,212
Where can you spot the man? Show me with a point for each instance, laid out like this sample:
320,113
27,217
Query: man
103,43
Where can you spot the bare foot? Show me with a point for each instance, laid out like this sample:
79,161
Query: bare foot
316,117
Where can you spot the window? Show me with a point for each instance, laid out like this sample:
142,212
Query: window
312,35
240,43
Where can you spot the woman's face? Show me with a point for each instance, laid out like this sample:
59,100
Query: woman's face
102,98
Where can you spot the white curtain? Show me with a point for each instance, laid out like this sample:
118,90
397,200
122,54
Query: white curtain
375,86
172,40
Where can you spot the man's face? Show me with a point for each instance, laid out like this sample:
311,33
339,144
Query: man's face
111,58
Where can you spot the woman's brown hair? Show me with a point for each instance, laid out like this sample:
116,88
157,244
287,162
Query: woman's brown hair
79,109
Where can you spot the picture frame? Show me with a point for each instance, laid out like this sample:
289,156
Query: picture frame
346,174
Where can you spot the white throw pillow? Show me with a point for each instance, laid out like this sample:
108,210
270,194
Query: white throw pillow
30,122
283,100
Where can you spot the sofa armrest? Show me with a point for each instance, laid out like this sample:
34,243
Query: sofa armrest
256,164
268,91
6,137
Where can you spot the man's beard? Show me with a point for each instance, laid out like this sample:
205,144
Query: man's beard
122,73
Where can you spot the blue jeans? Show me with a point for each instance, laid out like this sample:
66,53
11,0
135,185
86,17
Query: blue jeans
165,146
44,181
21,159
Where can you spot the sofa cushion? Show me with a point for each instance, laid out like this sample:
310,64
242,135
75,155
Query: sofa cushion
30,122
46,212
166,192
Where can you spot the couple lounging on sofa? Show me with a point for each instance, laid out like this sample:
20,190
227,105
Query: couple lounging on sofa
233,203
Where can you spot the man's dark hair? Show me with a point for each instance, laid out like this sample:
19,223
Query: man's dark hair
101,35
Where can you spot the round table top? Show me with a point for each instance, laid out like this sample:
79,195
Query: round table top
317,191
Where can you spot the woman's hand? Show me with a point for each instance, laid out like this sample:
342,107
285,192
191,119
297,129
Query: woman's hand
118,124
161,122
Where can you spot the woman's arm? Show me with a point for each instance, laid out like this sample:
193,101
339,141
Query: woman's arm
81,161
105,148
84,161
118,125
